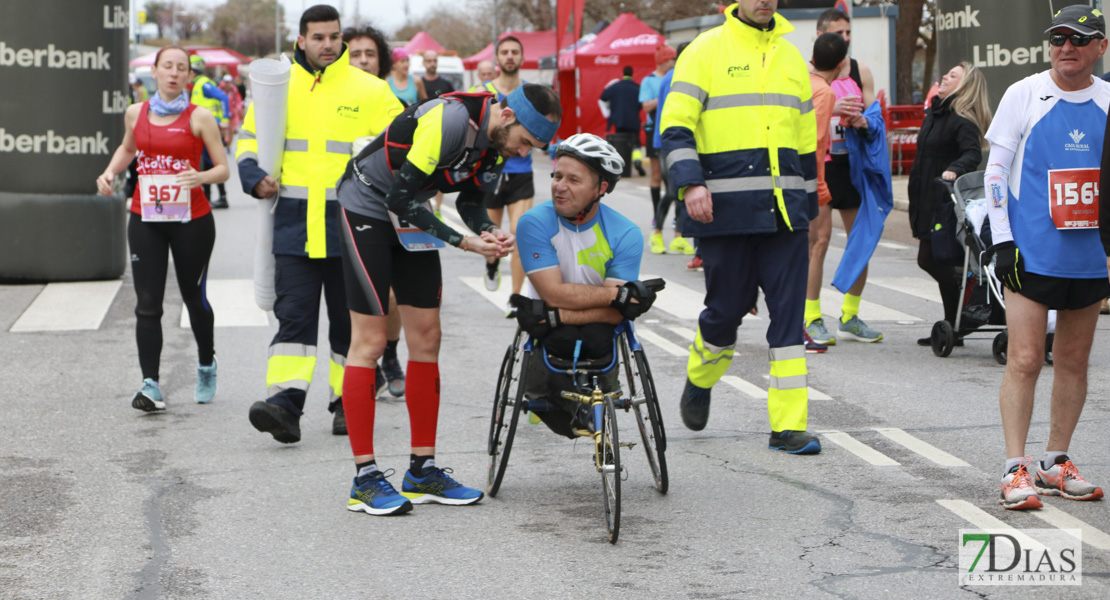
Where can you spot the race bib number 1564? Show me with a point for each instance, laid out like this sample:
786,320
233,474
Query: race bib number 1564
1073,198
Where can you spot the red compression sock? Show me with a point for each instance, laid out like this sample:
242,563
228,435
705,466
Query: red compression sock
422,399
358,407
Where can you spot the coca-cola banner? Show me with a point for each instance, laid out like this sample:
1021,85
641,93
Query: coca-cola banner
1003,38
64,68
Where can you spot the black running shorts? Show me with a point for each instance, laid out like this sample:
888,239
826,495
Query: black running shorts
512,188
838,176
1060,293
374,261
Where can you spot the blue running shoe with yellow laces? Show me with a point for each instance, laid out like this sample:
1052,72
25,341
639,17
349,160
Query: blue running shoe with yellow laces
856,329
438,487
374,495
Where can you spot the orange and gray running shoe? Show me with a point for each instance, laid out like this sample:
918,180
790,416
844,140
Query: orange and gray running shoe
1017,488
1063,479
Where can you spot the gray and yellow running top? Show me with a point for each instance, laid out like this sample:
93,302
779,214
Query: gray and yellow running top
439,145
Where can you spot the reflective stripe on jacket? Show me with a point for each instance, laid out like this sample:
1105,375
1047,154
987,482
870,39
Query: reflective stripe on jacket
327,111
739,120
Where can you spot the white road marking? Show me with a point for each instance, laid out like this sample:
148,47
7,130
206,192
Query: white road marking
815,394
858,448
683,332
981,519
232,301
868,311
500,298
921,447
919,287
73,306
748,389
452,218
1058,518
894,245
683,302
661,342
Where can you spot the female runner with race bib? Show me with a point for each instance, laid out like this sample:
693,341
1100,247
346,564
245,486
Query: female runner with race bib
169,213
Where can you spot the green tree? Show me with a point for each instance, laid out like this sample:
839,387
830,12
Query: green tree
247,26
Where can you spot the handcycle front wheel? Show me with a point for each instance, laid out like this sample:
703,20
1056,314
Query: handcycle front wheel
610,464
499,448
651,428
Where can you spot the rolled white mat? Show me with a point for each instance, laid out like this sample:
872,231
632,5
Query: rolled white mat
270,90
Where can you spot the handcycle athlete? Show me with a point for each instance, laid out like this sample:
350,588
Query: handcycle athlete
582,260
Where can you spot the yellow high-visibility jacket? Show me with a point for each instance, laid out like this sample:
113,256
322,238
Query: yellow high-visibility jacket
327,111
739,120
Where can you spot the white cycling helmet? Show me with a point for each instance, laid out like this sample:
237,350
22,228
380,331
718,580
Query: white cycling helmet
598,155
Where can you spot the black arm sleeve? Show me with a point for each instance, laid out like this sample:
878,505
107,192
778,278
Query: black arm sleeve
971,153
401,200
472,209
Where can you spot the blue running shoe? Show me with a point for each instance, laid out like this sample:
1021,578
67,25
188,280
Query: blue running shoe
795,442
149,398
438,487
206,383
376,496
856,329
695,406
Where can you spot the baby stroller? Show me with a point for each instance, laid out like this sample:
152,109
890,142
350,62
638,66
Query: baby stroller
981,307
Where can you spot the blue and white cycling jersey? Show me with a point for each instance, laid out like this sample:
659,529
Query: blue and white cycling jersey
1057,140
606,248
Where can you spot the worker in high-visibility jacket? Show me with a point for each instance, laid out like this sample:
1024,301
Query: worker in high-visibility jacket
739,137
331,103
206,93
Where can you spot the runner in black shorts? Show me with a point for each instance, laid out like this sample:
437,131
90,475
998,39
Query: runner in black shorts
455,143
512,188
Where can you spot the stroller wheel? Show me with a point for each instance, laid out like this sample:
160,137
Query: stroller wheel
999,347
942,338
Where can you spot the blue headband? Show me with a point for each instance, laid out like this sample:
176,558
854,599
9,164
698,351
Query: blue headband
538,125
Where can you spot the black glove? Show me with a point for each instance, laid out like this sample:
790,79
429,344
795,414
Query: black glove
1008,269
634,298
534,316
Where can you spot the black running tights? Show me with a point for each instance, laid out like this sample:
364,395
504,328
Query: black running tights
948,278
191,244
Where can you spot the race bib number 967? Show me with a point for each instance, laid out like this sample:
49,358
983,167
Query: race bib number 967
1073,198
162,199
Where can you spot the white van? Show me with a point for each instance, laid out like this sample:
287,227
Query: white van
450,67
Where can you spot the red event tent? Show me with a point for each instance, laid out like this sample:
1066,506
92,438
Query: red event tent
537,44
214,56
626,41
422,42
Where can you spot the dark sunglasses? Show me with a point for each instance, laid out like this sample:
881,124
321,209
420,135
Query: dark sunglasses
1058,39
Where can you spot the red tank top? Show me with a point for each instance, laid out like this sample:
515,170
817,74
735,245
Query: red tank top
168,149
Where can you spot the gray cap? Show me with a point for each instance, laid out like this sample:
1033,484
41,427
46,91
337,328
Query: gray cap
1080,18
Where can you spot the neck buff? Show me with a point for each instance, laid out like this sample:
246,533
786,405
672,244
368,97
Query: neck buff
174,107
538,125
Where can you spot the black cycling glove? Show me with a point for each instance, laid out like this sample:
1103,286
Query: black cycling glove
534,316
634,298
1008,269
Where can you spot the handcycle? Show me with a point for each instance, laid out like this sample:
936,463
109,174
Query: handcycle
638,397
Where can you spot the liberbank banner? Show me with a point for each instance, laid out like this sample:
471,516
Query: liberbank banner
1003,38
63,68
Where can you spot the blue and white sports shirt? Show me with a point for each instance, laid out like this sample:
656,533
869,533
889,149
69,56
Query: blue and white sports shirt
606,248
1057,139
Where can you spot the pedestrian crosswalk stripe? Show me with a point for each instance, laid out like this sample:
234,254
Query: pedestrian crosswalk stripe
858,448
681,301
1058,518
684,332
452,218
984,520
500,298
750,390
925,289
868,311
921,447
661,342
74,306
232,301
894,246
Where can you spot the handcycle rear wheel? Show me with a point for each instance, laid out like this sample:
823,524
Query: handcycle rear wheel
655,437
610,470
499,450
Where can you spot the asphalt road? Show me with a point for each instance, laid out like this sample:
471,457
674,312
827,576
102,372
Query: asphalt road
98,500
